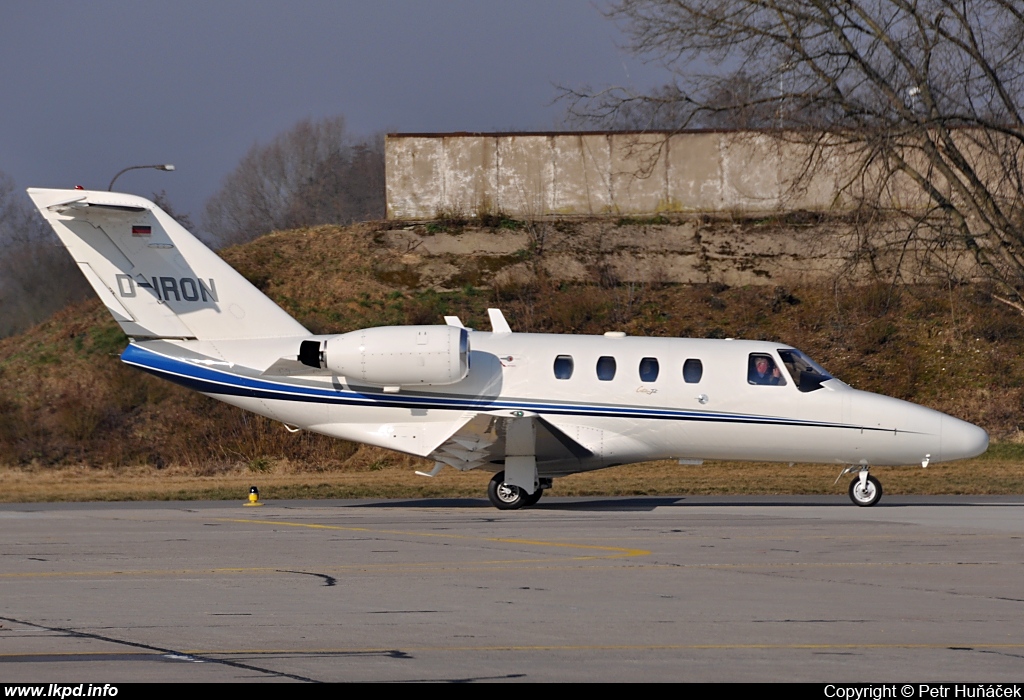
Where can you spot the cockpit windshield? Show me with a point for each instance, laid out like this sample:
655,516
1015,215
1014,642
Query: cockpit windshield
807,374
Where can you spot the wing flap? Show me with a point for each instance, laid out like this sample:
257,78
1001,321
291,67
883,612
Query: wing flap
481,441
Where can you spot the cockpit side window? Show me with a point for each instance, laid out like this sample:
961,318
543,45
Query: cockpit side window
563,367
807,373
762,370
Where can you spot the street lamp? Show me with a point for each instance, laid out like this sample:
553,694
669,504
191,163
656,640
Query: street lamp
166,166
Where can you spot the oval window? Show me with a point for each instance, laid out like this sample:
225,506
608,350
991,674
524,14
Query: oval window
693,370
649,369
606,368
563,366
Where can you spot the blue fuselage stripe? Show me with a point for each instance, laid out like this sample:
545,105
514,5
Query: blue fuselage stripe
208,380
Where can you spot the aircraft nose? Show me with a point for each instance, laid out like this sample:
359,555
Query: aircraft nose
961,440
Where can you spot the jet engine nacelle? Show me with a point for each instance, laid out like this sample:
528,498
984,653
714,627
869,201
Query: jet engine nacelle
394,355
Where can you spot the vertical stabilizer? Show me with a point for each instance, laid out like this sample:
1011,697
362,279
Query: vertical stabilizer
156,278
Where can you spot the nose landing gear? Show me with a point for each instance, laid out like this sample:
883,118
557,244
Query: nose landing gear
865,490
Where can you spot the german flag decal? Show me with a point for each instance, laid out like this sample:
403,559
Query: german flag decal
141,230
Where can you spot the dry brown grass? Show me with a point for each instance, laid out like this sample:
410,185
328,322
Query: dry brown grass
992,474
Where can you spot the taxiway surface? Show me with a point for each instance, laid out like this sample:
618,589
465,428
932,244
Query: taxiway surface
583,589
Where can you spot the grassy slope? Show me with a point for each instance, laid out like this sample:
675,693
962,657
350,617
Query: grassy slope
67,401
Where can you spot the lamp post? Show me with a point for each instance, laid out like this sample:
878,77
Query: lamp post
166,166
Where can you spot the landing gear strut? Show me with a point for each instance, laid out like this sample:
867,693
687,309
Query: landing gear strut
508,497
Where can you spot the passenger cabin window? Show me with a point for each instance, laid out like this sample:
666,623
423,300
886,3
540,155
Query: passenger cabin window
693,370
563,366
649,369
606,368
762,370
807,373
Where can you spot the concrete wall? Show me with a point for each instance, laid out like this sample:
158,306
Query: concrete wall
529,175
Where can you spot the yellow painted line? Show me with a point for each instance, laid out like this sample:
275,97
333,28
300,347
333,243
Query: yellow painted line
313,526
613,552
606,553
284,568
485,565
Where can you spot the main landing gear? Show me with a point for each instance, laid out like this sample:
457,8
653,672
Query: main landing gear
508,497
865,490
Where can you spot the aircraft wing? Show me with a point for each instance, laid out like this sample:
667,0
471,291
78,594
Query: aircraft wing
480,442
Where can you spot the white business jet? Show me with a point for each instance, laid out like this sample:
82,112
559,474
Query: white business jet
529,407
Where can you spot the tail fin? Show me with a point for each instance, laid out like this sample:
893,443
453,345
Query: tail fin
156,278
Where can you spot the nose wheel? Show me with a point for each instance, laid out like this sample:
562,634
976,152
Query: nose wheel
865,490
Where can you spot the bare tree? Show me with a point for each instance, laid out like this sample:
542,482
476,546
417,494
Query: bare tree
314,173
918,94
37,276
164,202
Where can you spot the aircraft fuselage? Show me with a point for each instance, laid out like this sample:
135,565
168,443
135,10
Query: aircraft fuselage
622,418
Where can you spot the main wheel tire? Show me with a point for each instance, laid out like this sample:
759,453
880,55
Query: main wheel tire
530,499
504,496
868,495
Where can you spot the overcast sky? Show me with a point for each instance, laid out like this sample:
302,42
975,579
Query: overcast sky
88,88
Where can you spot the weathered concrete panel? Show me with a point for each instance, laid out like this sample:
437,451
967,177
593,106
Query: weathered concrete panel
808,177
695,172
414,177
581,175
639,173
750,172
470,176
597,159
525,175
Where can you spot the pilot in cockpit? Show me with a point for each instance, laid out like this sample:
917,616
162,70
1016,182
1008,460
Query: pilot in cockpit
763,370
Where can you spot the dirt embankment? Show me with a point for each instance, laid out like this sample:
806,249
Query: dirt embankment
798,248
